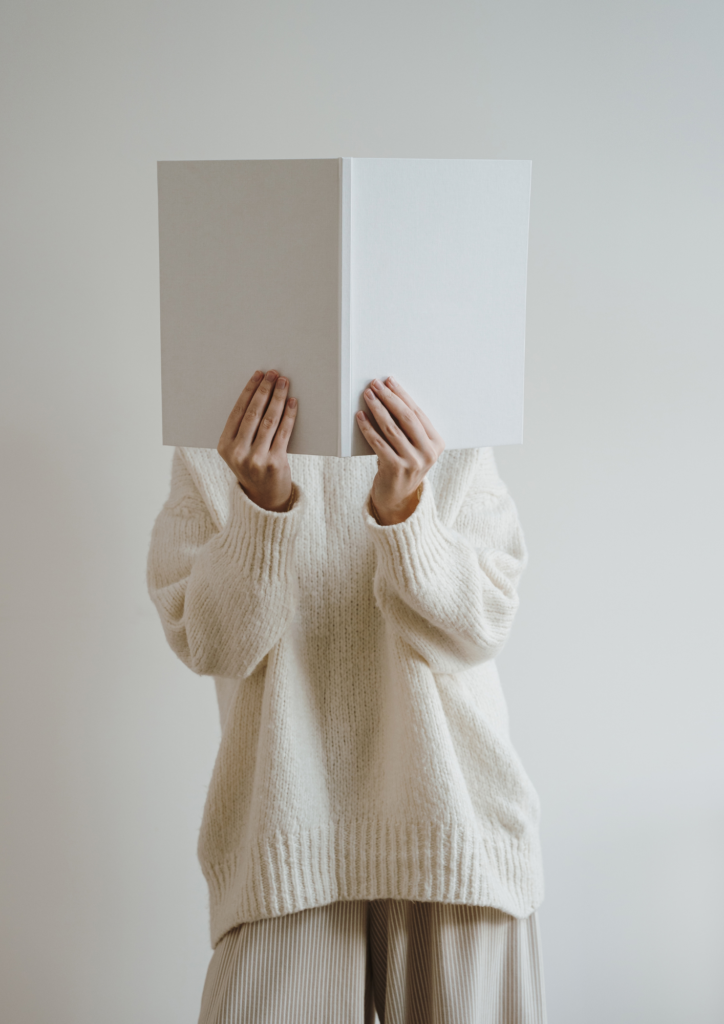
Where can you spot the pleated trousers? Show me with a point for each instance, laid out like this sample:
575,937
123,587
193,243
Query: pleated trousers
396,961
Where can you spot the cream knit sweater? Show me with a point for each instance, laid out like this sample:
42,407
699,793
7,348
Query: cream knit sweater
364,745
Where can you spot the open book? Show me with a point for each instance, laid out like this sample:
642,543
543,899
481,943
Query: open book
336,271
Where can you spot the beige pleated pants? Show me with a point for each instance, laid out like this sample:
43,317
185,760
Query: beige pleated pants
406,962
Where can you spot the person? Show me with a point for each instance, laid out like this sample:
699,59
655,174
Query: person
370,838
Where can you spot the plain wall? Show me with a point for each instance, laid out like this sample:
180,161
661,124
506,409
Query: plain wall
613,672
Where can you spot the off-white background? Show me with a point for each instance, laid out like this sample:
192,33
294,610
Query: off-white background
614,671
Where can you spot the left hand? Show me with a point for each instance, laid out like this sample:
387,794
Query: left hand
404,453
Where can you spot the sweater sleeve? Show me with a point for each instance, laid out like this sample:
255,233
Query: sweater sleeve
224,597
451,591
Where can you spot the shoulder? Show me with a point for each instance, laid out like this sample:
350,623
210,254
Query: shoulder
461,476
210,477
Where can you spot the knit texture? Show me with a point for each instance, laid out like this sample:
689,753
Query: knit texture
365,751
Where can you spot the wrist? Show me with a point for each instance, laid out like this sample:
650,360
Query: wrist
283,506
386,516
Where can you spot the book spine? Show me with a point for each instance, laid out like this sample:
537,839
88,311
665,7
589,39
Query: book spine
345,378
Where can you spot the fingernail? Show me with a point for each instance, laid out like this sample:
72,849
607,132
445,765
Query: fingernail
376,383
369,393
360,415
282,382
271,375
391,380
257,375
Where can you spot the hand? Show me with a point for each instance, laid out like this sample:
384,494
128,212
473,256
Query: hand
406,450
254,441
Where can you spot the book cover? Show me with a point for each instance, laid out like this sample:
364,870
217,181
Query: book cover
334,271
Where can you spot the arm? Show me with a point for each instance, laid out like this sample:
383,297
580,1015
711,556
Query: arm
451,591
224,597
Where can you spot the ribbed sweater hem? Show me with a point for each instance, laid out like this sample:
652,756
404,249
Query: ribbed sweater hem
374,859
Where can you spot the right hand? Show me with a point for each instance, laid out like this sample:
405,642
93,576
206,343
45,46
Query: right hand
254,441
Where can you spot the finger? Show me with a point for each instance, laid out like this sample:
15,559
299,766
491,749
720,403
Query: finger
375,440
237,413
394,435
271,417
255,410
284,430
398,390
406,417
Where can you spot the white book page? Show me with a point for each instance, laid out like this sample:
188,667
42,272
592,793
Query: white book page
437,291
249,268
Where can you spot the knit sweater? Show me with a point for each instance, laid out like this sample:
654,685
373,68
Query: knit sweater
365,751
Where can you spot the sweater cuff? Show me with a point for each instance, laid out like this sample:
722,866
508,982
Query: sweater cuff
261,541
414,549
